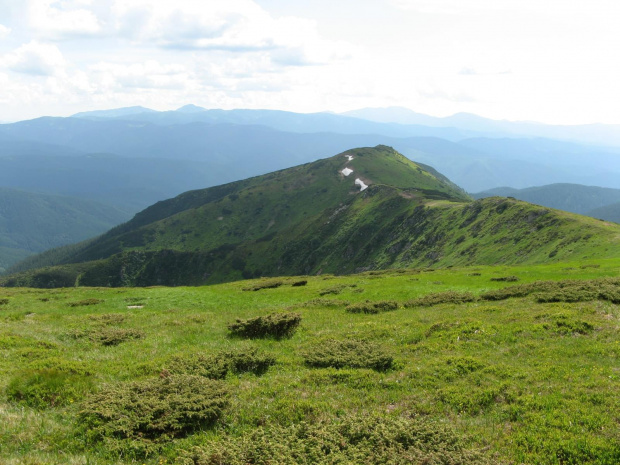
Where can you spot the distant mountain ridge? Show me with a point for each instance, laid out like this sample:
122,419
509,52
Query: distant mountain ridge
243,143
585,200
596,134
367,208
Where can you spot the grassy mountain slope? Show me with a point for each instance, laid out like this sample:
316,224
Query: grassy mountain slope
569,197
522,380
31,222
312,219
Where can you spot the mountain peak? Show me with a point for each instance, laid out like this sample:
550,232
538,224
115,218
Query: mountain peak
191,108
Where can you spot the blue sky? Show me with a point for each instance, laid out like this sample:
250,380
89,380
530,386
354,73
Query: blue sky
550,61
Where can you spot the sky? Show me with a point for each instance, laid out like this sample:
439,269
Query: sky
552,61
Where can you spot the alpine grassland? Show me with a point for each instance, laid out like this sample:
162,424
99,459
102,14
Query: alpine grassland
412,365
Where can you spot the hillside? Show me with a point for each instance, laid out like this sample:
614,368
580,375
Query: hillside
445,367
313,219
569,197
31,222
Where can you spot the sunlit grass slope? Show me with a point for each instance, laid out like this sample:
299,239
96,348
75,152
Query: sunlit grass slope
529,379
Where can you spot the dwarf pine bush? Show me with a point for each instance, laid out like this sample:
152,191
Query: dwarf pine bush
448,297
85,302
357,439
350,353
108,336
372,307
217,366
135,416
270,284
277,325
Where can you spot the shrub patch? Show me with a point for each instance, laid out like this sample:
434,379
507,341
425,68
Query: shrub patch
85,302
448,297
350,353
278,325
143,413
360,438
271,284
217,366
373,307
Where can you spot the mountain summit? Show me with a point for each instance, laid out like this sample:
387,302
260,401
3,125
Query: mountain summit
363,209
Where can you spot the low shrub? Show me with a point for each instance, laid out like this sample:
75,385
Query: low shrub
73,367
108,318
108,336
217,366
270,284
335,290
206,365
299,283
373,307
4,301
85,302
45,388
562,291
507,279
277,325
349,353
248,360
137,416
564,324
448,297
323,302
360,438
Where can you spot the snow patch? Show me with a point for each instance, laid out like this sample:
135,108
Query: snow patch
347,171
361,183
350,157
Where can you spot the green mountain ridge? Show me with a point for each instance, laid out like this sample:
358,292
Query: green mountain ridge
314,219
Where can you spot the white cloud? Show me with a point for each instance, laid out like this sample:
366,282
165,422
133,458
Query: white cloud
233,26
63,19
146,75
4,31
35,58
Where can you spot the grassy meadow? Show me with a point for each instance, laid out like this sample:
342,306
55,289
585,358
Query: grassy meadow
397,366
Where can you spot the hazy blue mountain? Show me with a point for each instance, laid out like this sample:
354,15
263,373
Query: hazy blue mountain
293,122
569,197
128,183
608,212
595,134
226,151
33,222
114,113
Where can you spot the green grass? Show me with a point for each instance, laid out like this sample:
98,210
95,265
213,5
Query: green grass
517,380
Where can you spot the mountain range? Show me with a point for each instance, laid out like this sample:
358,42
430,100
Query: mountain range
363,209
130,158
